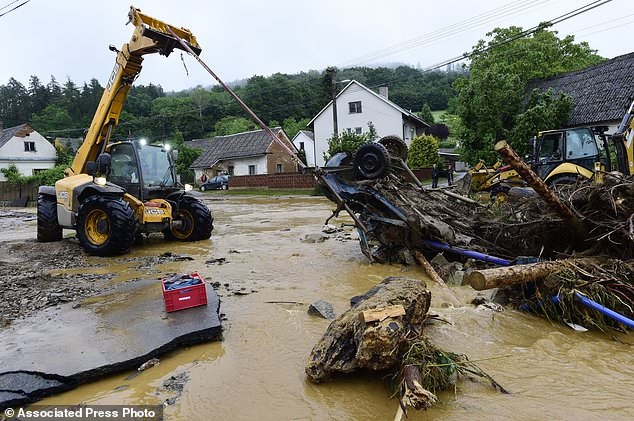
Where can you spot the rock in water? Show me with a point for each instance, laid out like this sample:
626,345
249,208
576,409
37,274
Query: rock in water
350,343
323,309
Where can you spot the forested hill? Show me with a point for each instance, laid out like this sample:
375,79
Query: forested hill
65,109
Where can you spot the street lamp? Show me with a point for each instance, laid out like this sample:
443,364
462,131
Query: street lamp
335,127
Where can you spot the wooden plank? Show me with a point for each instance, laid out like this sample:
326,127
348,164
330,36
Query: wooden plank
380,314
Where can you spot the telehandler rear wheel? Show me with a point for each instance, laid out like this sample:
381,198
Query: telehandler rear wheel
196,219
48,229
106,225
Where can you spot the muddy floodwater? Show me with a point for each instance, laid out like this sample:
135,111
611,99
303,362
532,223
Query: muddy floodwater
267,276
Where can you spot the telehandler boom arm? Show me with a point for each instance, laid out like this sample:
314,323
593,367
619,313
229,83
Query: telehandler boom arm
150,36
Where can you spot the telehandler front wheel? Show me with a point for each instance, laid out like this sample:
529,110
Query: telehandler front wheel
106,225
196,222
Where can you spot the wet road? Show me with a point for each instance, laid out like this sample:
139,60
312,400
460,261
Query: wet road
267,282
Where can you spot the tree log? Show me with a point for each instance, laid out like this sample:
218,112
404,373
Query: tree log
350,344
519,274
448,295
539,186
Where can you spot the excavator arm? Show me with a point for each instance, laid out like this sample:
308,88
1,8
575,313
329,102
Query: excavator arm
150,36
623,141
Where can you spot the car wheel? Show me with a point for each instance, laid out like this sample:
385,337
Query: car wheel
224,187
202,188
395,146
372,161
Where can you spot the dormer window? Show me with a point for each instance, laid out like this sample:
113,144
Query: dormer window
29,146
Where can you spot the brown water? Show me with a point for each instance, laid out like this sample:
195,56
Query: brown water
257,371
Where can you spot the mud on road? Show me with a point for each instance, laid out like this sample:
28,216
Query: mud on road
40,275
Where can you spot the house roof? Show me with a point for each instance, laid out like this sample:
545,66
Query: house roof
239,145
10,132
306,133
406,114
599,93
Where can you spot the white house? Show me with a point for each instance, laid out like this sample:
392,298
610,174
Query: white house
25,148
357,106
247,153
305,140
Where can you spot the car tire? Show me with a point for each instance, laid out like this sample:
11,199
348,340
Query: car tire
372,161
224,187
202,188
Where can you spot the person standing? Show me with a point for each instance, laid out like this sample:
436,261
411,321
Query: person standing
435,172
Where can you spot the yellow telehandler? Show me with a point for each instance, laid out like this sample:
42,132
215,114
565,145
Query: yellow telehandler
114,192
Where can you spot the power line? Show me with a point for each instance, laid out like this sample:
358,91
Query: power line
451,30
16,7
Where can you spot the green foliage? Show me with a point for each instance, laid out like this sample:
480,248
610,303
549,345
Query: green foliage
372,135
493,97
13,175
231,125
346,142
50,176
426,115
423,152
186,156
545,110
292,127
51,119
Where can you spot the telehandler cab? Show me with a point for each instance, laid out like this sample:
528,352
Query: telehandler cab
114,192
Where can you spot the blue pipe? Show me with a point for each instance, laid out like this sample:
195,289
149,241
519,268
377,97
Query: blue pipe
469,253
601,309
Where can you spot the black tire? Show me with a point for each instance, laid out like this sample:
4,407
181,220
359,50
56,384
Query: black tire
48,229
372,161
395,146
566,179
106,225
196,218
202,188
224,187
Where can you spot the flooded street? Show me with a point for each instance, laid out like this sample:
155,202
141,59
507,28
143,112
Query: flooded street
268,276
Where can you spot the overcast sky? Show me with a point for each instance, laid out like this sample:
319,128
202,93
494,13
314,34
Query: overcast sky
242,38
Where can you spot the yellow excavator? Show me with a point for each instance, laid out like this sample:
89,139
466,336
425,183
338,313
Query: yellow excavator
558,157
114,192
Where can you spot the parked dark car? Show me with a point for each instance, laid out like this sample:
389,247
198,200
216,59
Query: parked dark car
219,182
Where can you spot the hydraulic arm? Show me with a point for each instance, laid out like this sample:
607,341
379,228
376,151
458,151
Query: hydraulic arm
150,36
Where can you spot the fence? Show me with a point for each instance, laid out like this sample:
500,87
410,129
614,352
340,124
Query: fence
273,181
19,195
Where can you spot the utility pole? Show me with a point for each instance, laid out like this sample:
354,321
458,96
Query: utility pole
333,71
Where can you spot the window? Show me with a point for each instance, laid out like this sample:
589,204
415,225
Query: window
354,107
358,130
29,146
252,170
230,169
278,168
301,146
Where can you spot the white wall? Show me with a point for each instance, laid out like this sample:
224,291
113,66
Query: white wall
308,147
386,119
241,166
27,162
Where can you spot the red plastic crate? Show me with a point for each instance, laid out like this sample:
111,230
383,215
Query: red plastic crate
185,297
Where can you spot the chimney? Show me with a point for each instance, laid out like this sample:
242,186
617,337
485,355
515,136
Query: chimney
383,91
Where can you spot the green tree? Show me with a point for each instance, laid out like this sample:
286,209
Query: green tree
346,142
52,118
423,152
231,125
426,115
493,97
